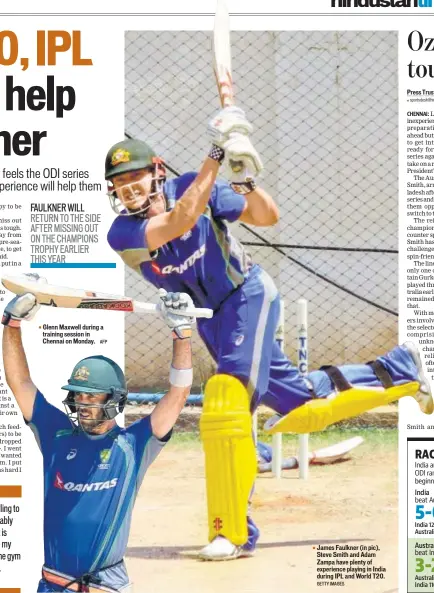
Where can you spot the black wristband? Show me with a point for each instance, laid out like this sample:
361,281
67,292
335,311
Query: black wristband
216,153
244,187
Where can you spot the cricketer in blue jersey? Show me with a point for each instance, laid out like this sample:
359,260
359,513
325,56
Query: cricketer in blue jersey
174,233
93,468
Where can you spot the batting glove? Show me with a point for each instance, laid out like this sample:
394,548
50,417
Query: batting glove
21,307
171,307
242,158
24,306
228,121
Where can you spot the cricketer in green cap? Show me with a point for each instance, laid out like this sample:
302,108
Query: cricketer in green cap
135,176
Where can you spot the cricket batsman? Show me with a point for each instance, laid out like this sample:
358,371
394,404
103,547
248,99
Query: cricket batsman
174,233
93,468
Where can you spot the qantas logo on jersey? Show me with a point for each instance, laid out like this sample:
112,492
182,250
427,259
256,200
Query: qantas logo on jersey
188,263
155,268
90,487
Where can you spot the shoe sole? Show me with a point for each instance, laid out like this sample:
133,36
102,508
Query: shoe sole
240,554
425,398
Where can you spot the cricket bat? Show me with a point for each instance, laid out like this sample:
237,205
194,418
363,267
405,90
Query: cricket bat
322,456
222,55
222,64
77,298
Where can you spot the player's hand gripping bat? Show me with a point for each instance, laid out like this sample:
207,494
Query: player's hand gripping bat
223,66
76,298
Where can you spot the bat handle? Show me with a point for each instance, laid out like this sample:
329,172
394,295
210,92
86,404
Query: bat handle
195,312
199,312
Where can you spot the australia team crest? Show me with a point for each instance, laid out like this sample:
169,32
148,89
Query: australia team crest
82,374
120,155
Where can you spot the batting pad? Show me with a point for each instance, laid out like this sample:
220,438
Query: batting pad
320,413
230,456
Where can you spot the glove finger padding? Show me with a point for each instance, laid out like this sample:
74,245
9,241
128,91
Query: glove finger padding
228,121
20,307
240,154
172,309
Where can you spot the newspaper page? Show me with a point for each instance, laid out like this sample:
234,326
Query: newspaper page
217,216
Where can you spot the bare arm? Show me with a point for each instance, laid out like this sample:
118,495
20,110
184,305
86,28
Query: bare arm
168,226
167,410
17,371
260,209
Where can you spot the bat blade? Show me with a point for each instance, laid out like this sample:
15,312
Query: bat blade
334,452
222,54
324,456
78,298
65,297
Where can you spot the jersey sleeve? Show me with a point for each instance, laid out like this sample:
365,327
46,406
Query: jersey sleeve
127,236
46,421
225,203
146,446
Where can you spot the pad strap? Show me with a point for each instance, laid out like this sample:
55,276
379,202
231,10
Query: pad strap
336,377
381,373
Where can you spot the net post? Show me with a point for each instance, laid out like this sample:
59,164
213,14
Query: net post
276,460
303,362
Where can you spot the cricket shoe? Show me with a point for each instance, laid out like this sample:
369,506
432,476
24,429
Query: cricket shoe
424,395
222,549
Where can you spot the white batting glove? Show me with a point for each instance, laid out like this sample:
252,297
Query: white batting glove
227,121
171,307
24,306
20,307
242,158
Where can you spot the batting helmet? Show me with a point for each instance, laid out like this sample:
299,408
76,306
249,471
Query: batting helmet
125,157
97,374
129,155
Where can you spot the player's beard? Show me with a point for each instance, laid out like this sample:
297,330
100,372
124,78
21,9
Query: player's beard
89,421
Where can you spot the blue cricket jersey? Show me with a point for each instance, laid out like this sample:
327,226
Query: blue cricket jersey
207,262
90,485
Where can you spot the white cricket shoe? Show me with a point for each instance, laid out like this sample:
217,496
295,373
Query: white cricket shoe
424,395
222,549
